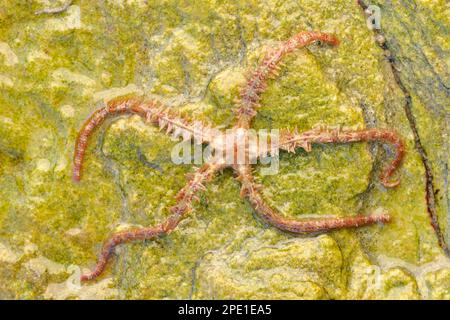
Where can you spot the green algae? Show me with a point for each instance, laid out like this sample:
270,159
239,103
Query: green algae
56,69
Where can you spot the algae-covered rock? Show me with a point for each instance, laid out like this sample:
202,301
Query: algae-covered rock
261,269
56,69
438,283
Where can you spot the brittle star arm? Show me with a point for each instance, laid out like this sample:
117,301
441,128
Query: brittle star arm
151,111
183,206
250,94
290,140
250,191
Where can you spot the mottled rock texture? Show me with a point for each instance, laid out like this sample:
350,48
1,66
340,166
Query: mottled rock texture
56,69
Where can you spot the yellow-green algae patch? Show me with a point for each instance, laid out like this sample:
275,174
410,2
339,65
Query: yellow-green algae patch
56,69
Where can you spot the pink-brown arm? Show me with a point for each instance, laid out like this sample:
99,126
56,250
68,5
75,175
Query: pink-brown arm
250,94
269,215
185,198
290,140
151,111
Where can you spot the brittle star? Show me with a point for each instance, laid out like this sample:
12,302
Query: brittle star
247,105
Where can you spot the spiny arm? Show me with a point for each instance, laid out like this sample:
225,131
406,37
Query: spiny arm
250,94
290,140
151,111
250,191
185,198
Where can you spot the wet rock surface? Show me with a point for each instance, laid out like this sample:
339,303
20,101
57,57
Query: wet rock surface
55,69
